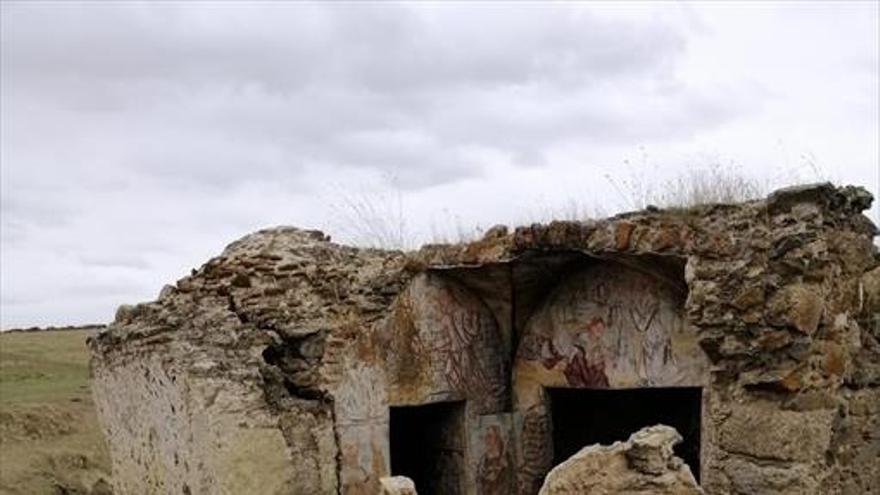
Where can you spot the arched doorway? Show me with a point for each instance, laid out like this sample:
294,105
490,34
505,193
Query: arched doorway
448,393
608,346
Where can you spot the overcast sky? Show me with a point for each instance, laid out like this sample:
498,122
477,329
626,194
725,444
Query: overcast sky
139,139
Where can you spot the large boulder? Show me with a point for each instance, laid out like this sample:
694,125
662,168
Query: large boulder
644,464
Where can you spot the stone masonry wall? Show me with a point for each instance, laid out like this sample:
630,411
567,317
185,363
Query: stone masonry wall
272,368
223,385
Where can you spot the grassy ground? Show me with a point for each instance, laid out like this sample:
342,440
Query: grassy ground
49,439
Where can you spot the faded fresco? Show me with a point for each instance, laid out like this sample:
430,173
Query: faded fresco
445,346
442,343
610,326
607,326
491,444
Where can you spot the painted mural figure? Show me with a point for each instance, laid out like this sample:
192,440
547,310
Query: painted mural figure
602,329
580,372
467,366
446,346
605,327
656,349
494,473
582,353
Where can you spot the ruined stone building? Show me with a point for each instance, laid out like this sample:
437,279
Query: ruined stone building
292,365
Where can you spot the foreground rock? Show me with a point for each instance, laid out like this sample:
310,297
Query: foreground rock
643,464
397,485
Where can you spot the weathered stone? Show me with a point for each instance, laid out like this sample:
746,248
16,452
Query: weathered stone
798,305
764,432
748,297
622,232
397,485
231,372
784,379
651,450
787,198
643,464
496,232
814,400
856,199
748,477
871,291
856,444
771,340
275,367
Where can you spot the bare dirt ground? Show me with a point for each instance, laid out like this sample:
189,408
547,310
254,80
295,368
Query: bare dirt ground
49,437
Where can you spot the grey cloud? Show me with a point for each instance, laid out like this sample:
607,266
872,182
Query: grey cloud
289,45
116,260
28,208
212,96
140,137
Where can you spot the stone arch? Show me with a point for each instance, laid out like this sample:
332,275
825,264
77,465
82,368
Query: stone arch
442,343
606,326
438,344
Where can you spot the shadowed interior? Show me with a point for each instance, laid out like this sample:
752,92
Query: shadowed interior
427,445
584,417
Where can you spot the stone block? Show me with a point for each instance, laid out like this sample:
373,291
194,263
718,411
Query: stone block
397,485
765,432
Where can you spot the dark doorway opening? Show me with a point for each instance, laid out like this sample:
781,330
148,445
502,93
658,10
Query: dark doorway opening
583,417
428,446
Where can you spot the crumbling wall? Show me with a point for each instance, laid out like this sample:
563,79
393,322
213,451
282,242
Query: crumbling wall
776,300
442,343
225,384
275,364
605,326
438,343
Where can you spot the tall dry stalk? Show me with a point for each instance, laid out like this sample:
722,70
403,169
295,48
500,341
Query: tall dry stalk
372,216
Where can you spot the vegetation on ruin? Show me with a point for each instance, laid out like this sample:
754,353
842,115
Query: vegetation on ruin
377,216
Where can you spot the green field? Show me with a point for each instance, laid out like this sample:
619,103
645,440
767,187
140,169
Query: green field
49,438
